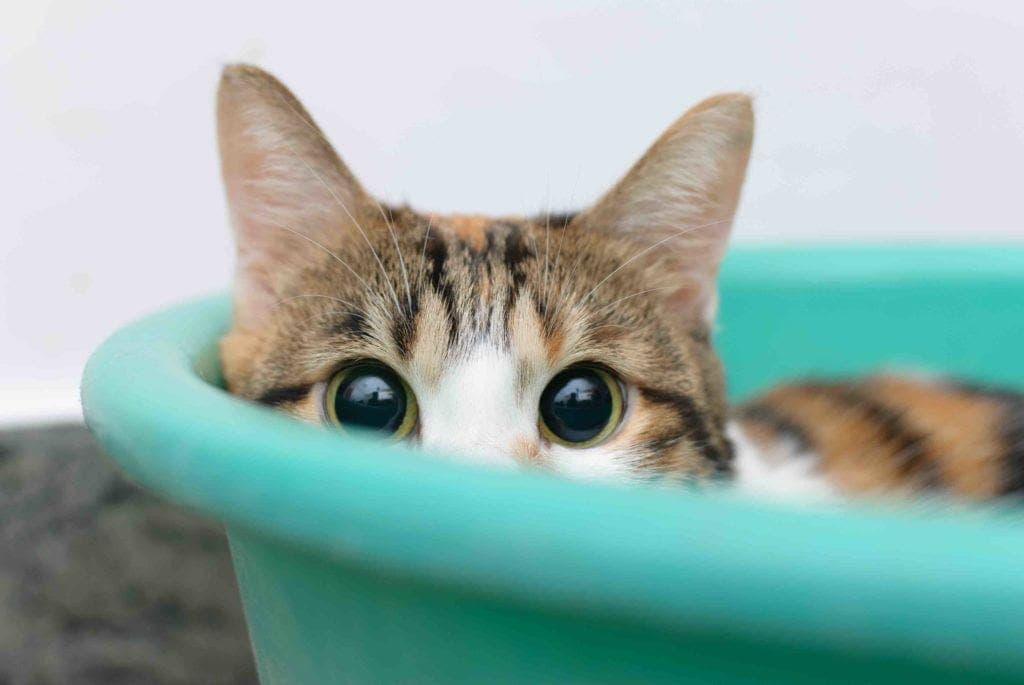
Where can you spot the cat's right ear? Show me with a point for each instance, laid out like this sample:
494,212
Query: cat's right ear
678,201
289,195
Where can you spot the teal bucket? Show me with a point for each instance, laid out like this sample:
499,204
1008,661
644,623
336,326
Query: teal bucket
365,563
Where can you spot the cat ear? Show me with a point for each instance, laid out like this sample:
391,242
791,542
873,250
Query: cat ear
678,200
289,194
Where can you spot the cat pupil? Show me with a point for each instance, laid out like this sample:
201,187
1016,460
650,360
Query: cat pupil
577,405
371,398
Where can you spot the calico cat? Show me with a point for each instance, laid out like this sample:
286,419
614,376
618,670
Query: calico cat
578,343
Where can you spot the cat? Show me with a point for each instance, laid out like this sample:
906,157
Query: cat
579,343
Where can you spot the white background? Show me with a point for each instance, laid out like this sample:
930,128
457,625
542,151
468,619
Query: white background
877,121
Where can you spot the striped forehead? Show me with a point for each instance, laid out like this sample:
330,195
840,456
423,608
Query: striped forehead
475,271
472,300
479,391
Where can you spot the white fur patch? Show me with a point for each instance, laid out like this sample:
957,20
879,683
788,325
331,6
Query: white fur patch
785,471
472,411
592,463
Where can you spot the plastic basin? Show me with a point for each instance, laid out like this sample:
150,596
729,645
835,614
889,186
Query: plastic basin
364,563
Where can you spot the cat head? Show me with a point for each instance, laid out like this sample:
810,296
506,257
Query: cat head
578,343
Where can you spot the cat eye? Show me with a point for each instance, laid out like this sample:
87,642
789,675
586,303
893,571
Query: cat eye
370,397
580,407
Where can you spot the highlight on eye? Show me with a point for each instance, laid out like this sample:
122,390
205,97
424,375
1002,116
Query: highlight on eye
580,407
371,397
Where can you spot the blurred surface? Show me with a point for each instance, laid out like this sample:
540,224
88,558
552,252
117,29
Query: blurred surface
103,583
876,121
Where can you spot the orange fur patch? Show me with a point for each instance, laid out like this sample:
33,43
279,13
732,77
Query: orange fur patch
470,228
963,430
854,451
958,434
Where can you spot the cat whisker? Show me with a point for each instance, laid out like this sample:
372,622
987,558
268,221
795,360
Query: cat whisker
628,297
312,295
333,194
547,239
585,242
322,247
602,327
351,307
587,239
398,249
561,241
647,249
366,238
569,218
423,252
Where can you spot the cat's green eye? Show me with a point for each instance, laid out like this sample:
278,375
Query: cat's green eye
580,407
370,397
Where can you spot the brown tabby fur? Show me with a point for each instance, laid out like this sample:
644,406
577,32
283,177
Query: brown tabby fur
894,434
328,276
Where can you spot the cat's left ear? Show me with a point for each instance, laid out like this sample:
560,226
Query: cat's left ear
678,201
291,198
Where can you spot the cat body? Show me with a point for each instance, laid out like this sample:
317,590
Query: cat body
577,343
882,434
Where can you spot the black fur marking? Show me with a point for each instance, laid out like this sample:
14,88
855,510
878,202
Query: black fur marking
278,396
353,323
1013,438
437,253
548,313
510,302
911,445
556,220
517,252
1012,433
764,414
403,328
695,426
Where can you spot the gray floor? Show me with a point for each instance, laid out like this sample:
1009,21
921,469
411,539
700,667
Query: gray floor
103,583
